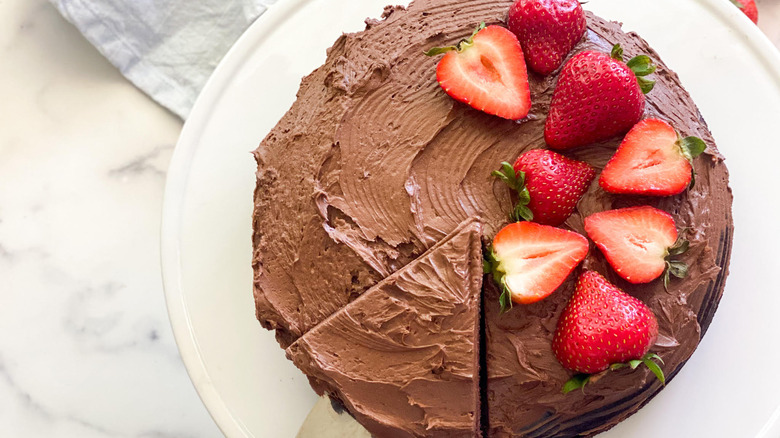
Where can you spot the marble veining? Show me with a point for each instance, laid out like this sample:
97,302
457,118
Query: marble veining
86,349
154,163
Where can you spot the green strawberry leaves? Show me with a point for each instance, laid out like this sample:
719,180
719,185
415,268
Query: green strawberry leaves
578,381
516,182
505,299
641,65
676,268
617,52
646,85
490,266
691,147
461,46
649,363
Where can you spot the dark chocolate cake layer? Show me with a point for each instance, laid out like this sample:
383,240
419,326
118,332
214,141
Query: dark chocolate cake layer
374,164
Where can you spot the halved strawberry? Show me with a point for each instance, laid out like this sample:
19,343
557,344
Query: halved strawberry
486,71
652,160
603,327
530,261
638,242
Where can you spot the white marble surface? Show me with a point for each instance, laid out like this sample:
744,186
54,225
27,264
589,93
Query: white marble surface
86,349
85,345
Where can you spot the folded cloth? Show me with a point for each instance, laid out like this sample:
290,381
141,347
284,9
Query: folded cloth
167,48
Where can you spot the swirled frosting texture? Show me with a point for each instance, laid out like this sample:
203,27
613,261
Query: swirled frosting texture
404,356
374,164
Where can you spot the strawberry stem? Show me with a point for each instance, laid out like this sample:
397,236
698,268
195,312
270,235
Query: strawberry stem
459,47
516,182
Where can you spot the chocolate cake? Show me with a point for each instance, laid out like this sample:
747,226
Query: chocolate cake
404,356
374,165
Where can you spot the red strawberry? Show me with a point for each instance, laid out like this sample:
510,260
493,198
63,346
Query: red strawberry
652,160
547,30
486,71
555,184
530,261
748,7
603,327
597,97
638,242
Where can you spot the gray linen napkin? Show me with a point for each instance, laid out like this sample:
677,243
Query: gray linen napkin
167,48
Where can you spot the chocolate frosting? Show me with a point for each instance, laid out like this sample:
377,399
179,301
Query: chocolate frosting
374,164
404,356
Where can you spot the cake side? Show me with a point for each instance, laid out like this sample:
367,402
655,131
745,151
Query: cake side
404,357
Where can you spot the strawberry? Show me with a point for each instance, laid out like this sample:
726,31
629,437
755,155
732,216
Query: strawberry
748,7
547,30
554,183
603,327
486,71
529,261
597,97
652,160
638,243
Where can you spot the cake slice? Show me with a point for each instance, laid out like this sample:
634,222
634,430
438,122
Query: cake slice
404,356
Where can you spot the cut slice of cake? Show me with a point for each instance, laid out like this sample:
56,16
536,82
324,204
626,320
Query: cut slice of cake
404,356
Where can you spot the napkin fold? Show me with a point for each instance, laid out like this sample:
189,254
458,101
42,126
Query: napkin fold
167,48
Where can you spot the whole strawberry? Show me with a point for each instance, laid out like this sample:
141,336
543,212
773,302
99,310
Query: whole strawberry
603,327
748,7
598,96
547,30
555,184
